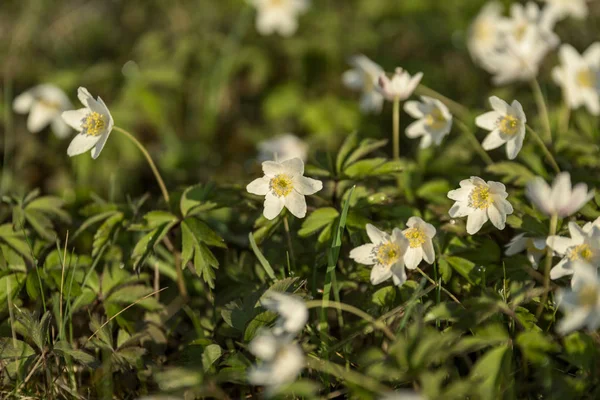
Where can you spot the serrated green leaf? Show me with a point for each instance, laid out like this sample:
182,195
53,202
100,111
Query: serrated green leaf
203,233
104,232
64,348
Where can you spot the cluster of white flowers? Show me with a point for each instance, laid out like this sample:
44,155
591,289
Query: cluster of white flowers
389,254
282,359
512,48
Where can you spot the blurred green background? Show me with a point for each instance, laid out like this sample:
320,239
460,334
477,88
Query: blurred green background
195,82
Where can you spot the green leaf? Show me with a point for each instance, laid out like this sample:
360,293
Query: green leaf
317,220
210,355
261,258
492,373
157,218
536,346
365,147
174,379
104,232
385,296
203,233
198,198
146,244
349,144
434,191
188,244
14,349
465,268
511,172
364,168
580,350
64,348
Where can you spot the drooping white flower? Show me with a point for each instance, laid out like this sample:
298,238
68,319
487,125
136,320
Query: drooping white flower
581,303
561,9
292,310
385,254
284,186
363,77
434,120
561,199
94,124
579,77
583,245
480,201
400,87
44,103
506,125
279,16
535,246
420,247
281,361
485,33
284,147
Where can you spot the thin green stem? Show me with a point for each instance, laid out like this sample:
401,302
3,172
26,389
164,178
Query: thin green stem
396,126
476,145
289,241
548,266
549,155
140,146
443,289
542,109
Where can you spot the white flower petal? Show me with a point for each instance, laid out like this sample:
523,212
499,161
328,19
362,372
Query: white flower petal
306,186
415,109
516,245
23,102
40,116
293,167
413,257
100,145
459,209
73,118
363,254
273,206
513,147
563,268
560,244
353,79
375,235
416,129
81,143
296,203
497,218
488,120
398,274
493,140
272,168
476,220
572,321
380,274
60,128
428,251
499,105
259,186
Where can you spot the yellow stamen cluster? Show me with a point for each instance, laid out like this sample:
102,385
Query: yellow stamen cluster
586,78
480,197
281,185
508,125
415,236
387,253
435,119
580,252
93,124
588,296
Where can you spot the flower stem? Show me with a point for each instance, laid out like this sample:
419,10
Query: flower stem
549,155
396,126
542,109
289,241
548,266
140,146
476,145
438,286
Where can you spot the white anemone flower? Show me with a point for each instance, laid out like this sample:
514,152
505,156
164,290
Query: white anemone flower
506,125
561,9
284,186
535,246
530,15
581,303
292,310
560,199
479,201
94,124
385,253
278,15
282,361
44,103
583,245
420,247
363,77
434,121
283,147
400,87
485,32
579,77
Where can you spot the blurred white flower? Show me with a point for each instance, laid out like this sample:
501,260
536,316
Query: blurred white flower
292,310
581,303
385,253
536,248
402,395
480,201
419,234
363,77
507,126
561,199
400,87
561,9
94,124
44,103
484,33
583,245
579,77
434,120
278,15
282,148
282,361
284,186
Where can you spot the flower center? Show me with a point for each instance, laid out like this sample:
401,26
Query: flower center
281,185
588,296
508,125
387,253
580,252
415,236
519,31
92,124
49,103
480,197
586,78
435,119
